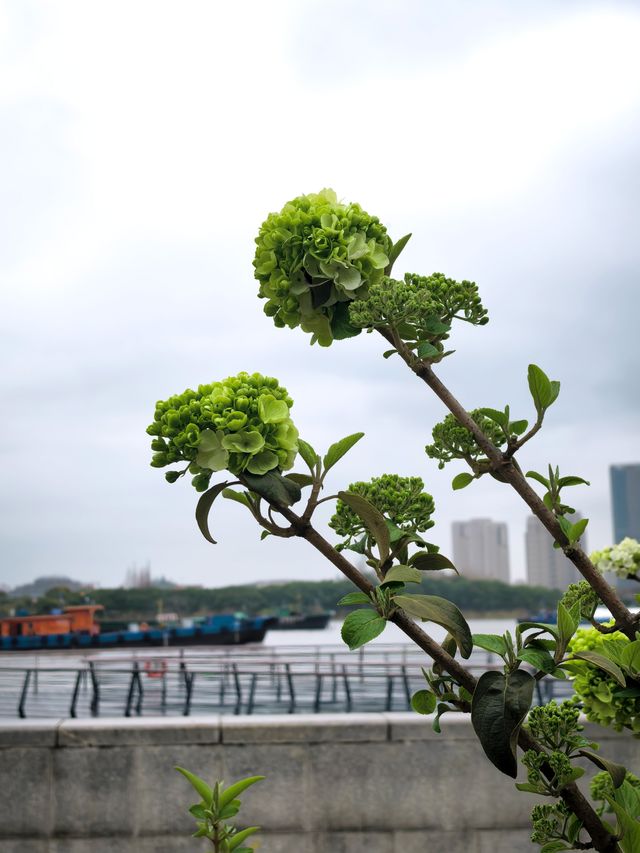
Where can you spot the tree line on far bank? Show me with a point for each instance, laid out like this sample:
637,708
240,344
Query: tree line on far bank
477,596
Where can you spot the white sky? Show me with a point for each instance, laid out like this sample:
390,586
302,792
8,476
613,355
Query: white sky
143,143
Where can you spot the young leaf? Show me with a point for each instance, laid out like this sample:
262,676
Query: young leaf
236,789
540,388
361,626
239,497
498,417
518,427
568,621
374,520
308,454
553,846
490,643
237,839
301,480
338,450
406,574
535,476
616,771
538,658
202,510
630,828
424,702
500,704
460,481
394,252
572,481
389,352
354,598
577,530
432,608
204,790
427,350
429,562
603,663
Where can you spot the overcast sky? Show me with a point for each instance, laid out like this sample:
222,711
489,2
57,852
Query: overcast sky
143,143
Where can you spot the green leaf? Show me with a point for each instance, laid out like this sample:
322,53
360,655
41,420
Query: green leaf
490,643
555,390
538,658
237,839
528,787
442,709
264,535
394,252
630,657
361,627
429,562
373,519
427,350
499,706
603,663
203,508
629,826
535,476
540,388
498,417
554,847
341,326
301,480
388,353
568,621
308,453
273,487
424,702
577,529
204,790
338,450
198,811
572,481
236,789
406,574
432,608
460,481
616,771
354,598
526,626
239,497
518,427
434,326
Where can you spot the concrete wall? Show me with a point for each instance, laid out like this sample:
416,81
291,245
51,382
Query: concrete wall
371,783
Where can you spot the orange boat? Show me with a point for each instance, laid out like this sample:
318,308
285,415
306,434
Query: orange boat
79,619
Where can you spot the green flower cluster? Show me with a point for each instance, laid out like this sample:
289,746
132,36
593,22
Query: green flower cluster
239,424
420,308
560,764
557,726
602,698
583,593
623,559
400,499
602,786
453,441
313,258
549,822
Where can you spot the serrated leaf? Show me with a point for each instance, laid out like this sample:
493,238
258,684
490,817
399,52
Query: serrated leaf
616,771
603,663
338,450
533,475
424,702
236,789
361,627
301,480
405,574
205,791
203,508
308,454
433,608
394,252
431,562
354,598
540,388
500,704
490,643
273,487
461,481
373,519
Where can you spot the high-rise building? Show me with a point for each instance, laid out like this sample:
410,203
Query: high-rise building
481,549
625,500
548,566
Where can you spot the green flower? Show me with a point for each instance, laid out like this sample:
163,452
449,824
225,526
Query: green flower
313,258
239,424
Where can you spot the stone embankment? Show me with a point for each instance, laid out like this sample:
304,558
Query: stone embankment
371,783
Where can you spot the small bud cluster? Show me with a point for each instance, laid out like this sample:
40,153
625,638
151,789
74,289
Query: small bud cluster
602,786
598,692
558,762
557,726
239,424
549,822
313,258
453,441
622,559
420,308
583,594
400,499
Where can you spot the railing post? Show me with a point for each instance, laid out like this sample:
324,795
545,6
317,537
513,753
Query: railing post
23,694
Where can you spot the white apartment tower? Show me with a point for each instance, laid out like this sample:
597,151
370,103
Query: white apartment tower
481,549
547,566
